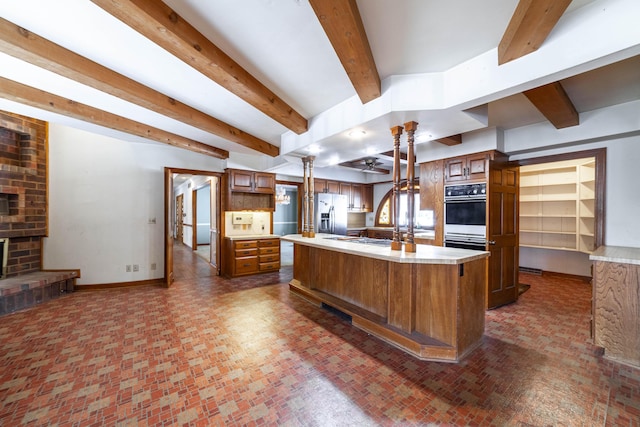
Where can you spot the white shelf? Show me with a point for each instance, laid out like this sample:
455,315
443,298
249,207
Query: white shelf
557,205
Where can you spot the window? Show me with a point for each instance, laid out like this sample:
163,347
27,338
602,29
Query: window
421,219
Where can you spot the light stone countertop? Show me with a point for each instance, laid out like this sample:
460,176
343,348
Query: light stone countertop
425,254
253,237
619,254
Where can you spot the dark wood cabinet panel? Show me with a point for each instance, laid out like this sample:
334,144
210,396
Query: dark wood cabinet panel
367,198
264,183
432,196
241,180
246,257
467,168
333,187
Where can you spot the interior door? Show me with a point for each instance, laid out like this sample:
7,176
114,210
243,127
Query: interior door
169,224
502,234
214,234
179,222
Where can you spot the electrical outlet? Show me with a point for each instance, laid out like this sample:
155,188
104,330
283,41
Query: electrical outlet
128,268
153,265
136,267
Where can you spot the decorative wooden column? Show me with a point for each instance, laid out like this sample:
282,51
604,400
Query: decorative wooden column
396,244
305,200
310,207
409,245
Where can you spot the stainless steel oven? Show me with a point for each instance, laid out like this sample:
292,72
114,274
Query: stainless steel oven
465,216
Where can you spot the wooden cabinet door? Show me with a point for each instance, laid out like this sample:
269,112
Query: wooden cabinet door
477,167
367,198
319,185
455,169
356,197
264,183
333,187
241,180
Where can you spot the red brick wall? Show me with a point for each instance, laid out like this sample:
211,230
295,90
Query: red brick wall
23,179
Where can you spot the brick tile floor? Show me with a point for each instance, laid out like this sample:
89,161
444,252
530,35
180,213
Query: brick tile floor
212,351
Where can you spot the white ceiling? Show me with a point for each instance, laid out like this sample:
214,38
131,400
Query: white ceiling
283,45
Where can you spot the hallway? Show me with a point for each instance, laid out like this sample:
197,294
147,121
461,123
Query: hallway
246,352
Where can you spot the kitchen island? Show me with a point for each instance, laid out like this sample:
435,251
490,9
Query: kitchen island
430,303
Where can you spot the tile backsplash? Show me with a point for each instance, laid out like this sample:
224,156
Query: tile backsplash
261,224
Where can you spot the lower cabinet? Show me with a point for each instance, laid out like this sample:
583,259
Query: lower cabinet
252,256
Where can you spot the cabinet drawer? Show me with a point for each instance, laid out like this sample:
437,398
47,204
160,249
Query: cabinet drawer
246,265
269,250
243,244
270,242
266,266
269,258
246,252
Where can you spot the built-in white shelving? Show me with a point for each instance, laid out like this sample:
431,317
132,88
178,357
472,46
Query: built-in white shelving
557,205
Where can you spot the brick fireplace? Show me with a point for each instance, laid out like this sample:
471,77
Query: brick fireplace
23,191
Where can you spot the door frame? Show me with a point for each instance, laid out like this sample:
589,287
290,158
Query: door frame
169,208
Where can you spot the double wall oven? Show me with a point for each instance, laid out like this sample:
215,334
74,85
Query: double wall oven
465,216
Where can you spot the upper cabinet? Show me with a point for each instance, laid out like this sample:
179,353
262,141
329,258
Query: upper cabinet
325,186
252,182
248,190
467,168
359,196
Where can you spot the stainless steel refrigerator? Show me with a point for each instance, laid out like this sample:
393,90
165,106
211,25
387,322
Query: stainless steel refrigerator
331,213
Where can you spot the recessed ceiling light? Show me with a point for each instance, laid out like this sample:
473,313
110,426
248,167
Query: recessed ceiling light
314,148
357,133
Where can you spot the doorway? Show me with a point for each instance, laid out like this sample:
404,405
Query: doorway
183,188
285,218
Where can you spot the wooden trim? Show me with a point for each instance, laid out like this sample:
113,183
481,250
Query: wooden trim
30,47
187,225
106,286
554,103
194,219
529,26
343,26
54,270
451,140
159,23
37,98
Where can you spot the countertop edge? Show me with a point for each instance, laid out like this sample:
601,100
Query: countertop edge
253,237
618,254
426,254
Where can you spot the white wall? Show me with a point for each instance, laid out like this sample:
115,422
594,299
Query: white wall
103,195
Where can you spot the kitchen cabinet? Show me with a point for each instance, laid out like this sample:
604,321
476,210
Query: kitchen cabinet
248,190
326,186
367,198
252,182
557,205
473,167
616,298
251,256
432,196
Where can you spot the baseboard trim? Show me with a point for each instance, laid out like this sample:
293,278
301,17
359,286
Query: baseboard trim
104,286
539,272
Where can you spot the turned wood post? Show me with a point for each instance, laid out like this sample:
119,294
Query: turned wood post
305,201
410,127
396,244
311,197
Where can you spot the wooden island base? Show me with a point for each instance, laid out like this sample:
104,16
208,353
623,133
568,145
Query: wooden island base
433,311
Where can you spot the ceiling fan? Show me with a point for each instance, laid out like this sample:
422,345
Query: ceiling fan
367,164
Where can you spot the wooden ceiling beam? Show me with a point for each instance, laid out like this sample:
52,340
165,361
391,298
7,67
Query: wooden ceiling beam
530,25
27,46
363,168
159,23
403,156
451,140
554,103
37,98
342,23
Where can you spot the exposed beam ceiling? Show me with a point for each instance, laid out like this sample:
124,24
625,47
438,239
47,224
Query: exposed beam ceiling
27,46
342,23
451,140
363,167
47,101
159,23
554,103
389,154
530,25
